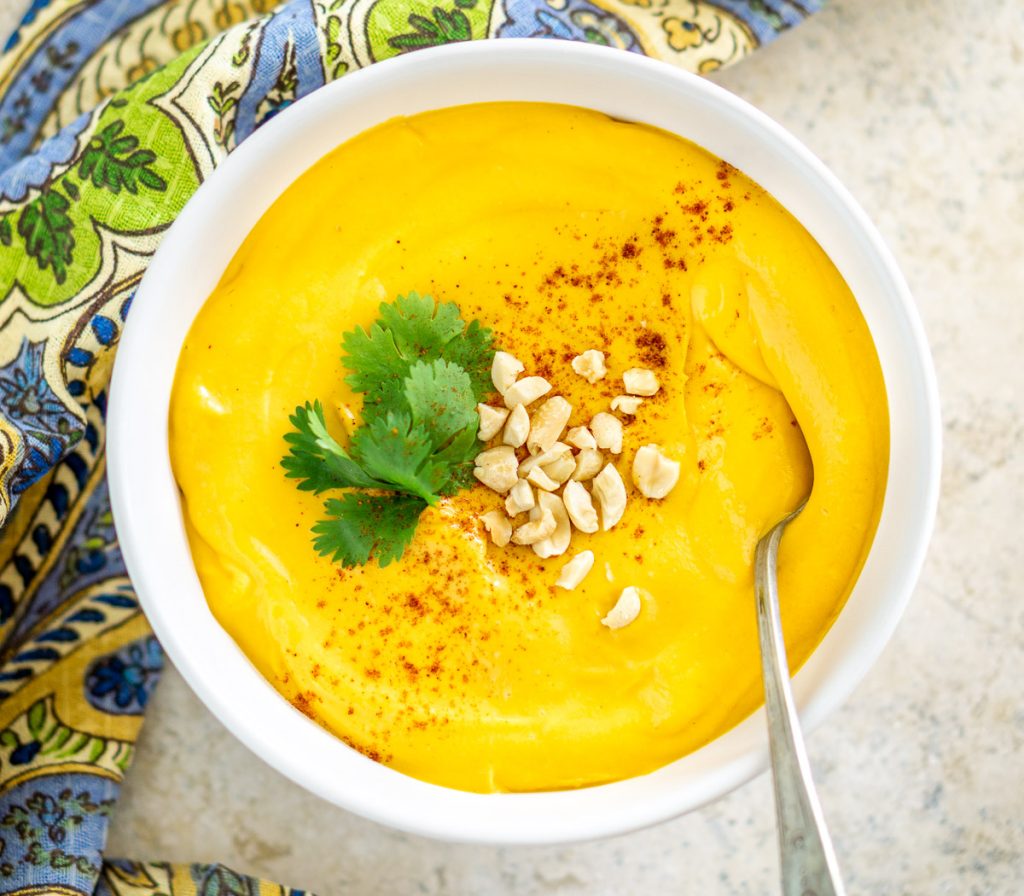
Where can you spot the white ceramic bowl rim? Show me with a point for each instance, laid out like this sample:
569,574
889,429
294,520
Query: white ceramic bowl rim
197,249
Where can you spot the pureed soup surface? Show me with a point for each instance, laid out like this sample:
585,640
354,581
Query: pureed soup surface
562,230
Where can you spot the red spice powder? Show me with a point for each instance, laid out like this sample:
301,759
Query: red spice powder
652,348
304,703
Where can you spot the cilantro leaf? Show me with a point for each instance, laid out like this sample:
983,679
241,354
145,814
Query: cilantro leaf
372,357
360,526
474,352
440,397
413,329
394,450
316,459
420,328
458,456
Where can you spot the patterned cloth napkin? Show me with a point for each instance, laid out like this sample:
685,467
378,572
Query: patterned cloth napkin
111,114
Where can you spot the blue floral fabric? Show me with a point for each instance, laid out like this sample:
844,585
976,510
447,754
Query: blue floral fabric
112,112
121,682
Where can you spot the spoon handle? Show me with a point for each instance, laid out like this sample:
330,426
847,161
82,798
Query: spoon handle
808,861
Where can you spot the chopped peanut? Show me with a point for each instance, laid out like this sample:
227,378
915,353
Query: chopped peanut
348,418
627,404
520,498
610,492
548,423
580,437
588,464
590,365
554,453
517,428
541,479
497,468
640,381
575,571
505,368
561,468
499,527
526,391
529,464
580,507
537,529
607,431
491,421
558,541
626,609
653,473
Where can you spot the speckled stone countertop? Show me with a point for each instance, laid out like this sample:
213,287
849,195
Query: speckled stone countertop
917,108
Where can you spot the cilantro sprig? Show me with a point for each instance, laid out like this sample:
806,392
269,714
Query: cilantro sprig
421,371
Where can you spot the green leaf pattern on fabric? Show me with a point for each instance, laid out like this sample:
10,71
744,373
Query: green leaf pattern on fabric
113,160
445,26
45,227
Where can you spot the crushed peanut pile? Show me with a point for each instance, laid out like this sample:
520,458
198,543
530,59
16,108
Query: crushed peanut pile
570,485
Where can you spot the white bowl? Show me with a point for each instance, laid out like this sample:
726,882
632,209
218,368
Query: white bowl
197,249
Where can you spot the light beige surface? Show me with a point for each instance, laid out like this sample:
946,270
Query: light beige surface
917,107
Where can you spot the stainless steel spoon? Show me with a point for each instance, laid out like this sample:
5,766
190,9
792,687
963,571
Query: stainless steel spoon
808,861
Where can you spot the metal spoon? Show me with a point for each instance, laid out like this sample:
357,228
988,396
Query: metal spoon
808,861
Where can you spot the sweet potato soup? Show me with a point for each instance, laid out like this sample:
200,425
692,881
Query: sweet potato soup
706,353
